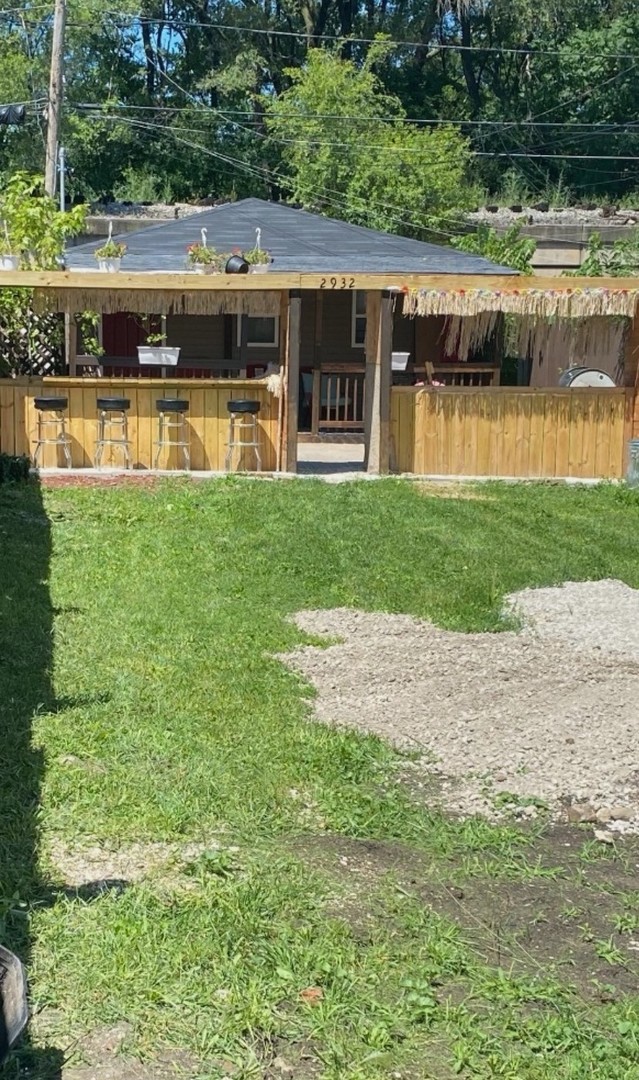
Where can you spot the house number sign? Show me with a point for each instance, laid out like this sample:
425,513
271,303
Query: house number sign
337,283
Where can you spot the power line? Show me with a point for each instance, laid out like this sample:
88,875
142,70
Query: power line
346,39
607,127
313,143
273,177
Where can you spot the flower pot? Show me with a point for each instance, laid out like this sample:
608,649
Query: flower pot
9,262
204,268
236,264
109,266
159,355
258,268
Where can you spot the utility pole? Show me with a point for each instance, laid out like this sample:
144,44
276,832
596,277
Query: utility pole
56,89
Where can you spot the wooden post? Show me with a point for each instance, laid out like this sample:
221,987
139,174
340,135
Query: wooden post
243,357
70,342
281,401
631,355
292,378
317,400
379,346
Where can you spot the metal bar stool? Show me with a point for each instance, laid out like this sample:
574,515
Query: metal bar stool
52,429
172,420
113,428
244,432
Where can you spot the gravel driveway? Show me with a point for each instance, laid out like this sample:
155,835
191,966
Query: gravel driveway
550,713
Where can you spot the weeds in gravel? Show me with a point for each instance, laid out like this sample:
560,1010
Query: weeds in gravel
137,636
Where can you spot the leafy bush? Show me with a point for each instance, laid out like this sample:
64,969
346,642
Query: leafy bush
14,468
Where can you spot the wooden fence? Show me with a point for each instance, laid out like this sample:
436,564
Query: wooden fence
503,431
207,418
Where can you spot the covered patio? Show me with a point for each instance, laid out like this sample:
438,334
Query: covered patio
425,430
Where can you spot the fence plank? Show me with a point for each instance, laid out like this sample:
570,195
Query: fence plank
207,418
501,431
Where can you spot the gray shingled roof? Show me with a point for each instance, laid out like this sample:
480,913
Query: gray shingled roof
297,240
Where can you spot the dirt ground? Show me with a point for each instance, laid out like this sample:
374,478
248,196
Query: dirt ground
543,718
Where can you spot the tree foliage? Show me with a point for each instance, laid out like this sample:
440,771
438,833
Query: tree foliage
32,226
621,259
172,100
386,174
509,248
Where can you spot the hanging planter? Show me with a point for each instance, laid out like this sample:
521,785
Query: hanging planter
202,259
110,254
258,259
159,355
155,350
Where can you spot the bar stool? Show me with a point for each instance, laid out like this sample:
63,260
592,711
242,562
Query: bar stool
52,429
113,427
244,433
172,420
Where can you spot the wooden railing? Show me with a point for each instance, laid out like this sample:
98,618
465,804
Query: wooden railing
338,400
207,418
504,431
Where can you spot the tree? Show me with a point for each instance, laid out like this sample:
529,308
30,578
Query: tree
347,150
509,248
31,225
619,260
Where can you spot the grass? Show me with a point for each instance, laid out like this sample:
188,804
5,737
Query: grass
141,700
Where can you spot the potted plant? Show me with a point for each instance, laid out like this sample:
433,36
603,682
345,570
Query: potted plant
155,351
203,259
110,254
8,258
92,351
257,258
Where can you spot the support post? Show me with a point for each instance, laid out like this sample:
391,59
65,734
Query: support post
281,401
70,342
292,378
379,345
243,344
317,400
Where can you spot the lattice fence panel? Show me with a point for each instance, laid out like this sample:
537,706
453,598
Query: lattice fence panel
36,347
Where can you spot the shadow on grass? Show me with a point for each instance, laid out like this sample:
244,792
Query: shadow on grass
26,647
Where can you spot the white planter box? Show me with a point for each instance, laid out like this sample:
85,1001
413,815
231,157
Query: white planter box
109,266
159,355
399,361
258,268
204,268
9,262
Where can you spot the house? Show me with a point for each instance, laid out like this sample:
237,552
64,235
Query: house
333,316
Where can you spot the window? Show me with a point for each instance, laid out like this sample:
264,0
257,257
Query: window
261,331
358,322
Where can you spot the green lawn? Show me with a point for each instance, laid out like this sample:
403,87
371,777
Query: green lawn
140,701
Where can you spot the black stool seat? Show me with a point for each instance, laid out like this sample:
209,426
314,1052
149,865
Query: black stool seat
50,404
113,404
171,404
252,407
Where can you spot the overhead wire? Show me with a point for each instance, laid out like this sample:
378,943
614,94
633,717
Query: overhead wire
304,35
271,176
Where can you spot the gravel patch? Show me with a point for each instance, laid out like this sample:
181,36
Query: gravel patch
149,210
571,215
548,713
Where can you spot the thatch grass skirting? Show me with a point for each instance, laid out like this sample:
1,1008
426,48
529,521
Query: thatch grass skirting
597,341
159,302
542,303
